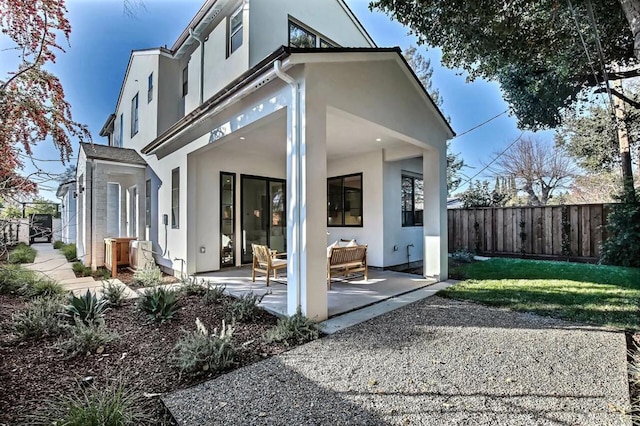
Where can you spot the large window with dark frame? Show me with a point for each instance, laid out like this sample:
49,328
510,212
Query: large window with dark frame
300,36
344,200
235,31
150,88
134,115
185,81
175,198
412,200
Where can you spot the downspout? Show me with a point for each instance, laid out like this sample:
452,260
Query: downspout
201,42
295,135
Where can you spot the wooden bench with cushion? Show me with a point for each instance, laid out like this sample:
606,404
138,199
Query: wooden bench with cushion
343,261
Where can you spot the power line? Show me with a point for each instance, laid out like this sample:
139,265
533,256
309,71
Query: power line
600,53
481,124
492,161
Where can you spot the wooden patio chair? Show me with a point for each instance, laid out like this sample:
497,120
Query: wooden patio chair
266,260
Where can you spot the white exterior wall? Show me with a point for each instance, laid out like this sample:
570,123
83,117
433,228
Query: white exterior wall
395,234
270,24
371,233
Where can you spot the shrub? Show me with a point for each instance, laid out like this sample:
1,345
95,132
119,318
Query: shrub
44,287
245,308
148,276
101,274
87,308
81,270
622,246
159,304
199,352
462,256
115,405
85,339
58,245
213,294
22,254
14,277
69,251
191,286
294,330
113,293
41,318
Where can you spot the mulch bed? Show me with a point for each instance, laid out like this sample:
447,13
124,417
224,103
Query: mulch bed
33,371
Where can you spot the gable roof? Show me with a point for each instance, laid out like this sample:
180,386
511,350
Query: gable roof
112,153
63,188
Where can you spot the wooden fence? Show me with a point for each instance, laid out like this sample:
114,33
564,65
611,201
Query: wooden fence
569,231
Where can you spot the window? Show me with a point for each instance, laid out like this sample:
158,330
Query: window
344,200
117,132
185,81
150,88
325,44
134,115
300,37
175,198
235,31
147,203
412,201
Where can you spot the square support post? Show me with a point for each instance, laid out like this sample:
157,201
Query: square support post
434,164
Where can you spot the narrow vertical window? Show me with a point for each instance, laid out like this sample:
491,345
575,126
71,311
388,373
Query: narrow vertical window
147,203
185,81
150,88
120,130
412,201
235,31
175,198
134,115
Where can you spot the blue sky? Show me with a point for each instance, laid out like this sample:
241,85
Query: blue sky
103,36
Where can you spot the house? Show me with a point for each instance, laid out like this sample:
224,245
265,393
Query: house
276,122
67,194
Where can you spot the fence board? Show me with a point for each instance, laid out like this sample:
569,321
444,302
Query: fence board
499,230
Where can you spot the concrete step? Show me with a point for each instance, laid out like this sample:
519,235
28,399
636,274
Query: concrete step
82,285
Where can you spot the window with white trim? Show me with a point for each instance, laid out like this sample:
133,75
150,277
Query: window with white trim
134,115
235,31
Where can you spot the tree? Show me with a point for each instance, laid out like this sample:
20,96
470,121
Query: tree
589,136
479,195
537,168
593,188
32,101
424,71
69,175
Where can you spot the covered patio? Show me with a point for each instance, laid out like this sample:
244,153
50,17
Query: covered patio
346,295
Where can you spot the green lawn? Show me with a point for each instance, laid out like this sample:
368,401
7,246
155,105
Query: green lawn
596,294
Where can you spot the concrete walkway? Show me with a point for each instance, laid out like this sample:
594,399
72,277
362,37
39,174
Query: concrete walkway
53,264
434,362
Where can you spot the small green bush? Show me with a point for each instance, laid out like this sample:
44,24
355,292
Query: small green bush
294,330
22,254
113,293
115,405
44,287
149,276
87,308
159,304
69,251
85,339
622,246
245,308
58,245
199,352
81,270
41,318
13,278
101,274
462,256
191,286
213,294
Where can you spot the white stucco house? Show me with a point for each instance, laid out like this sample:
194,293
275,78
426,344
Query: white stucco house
277,122
67,194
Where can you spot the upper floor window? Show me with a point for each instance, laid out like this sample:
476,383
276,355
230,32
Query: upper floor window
185,81
150,88
235,31
344,200
117,132
412,201
299,36
134,115
147,203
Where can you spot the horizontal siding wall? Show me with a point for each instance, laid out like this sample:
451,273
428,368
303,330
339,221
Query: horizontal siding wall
551,231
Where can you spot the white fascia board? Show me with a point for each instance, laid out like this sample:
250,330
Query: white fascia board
115,163
328,57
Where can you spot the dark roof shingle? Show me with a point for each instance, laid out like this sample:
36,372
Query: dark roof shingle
112,153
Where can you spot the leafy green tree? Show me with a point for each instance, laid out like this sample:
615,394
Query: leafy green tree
479,195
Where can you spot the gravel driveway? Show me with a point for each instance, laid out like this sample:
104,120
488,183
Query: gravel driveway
434,362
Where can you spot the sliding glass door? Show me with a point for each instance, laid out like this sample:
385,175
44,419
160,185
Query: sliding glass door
263,214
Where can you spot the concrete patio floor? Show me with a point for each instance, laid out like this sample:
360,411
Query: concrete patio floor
345,295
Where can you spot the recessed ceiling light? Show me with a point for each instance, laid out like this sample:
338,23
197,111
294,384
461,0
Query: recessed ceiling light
378,140
242,138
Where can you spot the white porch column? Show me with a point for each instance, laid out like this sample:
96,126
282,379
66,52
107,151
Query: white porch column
434,164
306,207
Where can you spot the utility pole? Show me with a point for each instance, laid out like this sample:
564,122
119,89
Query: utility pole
623,141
